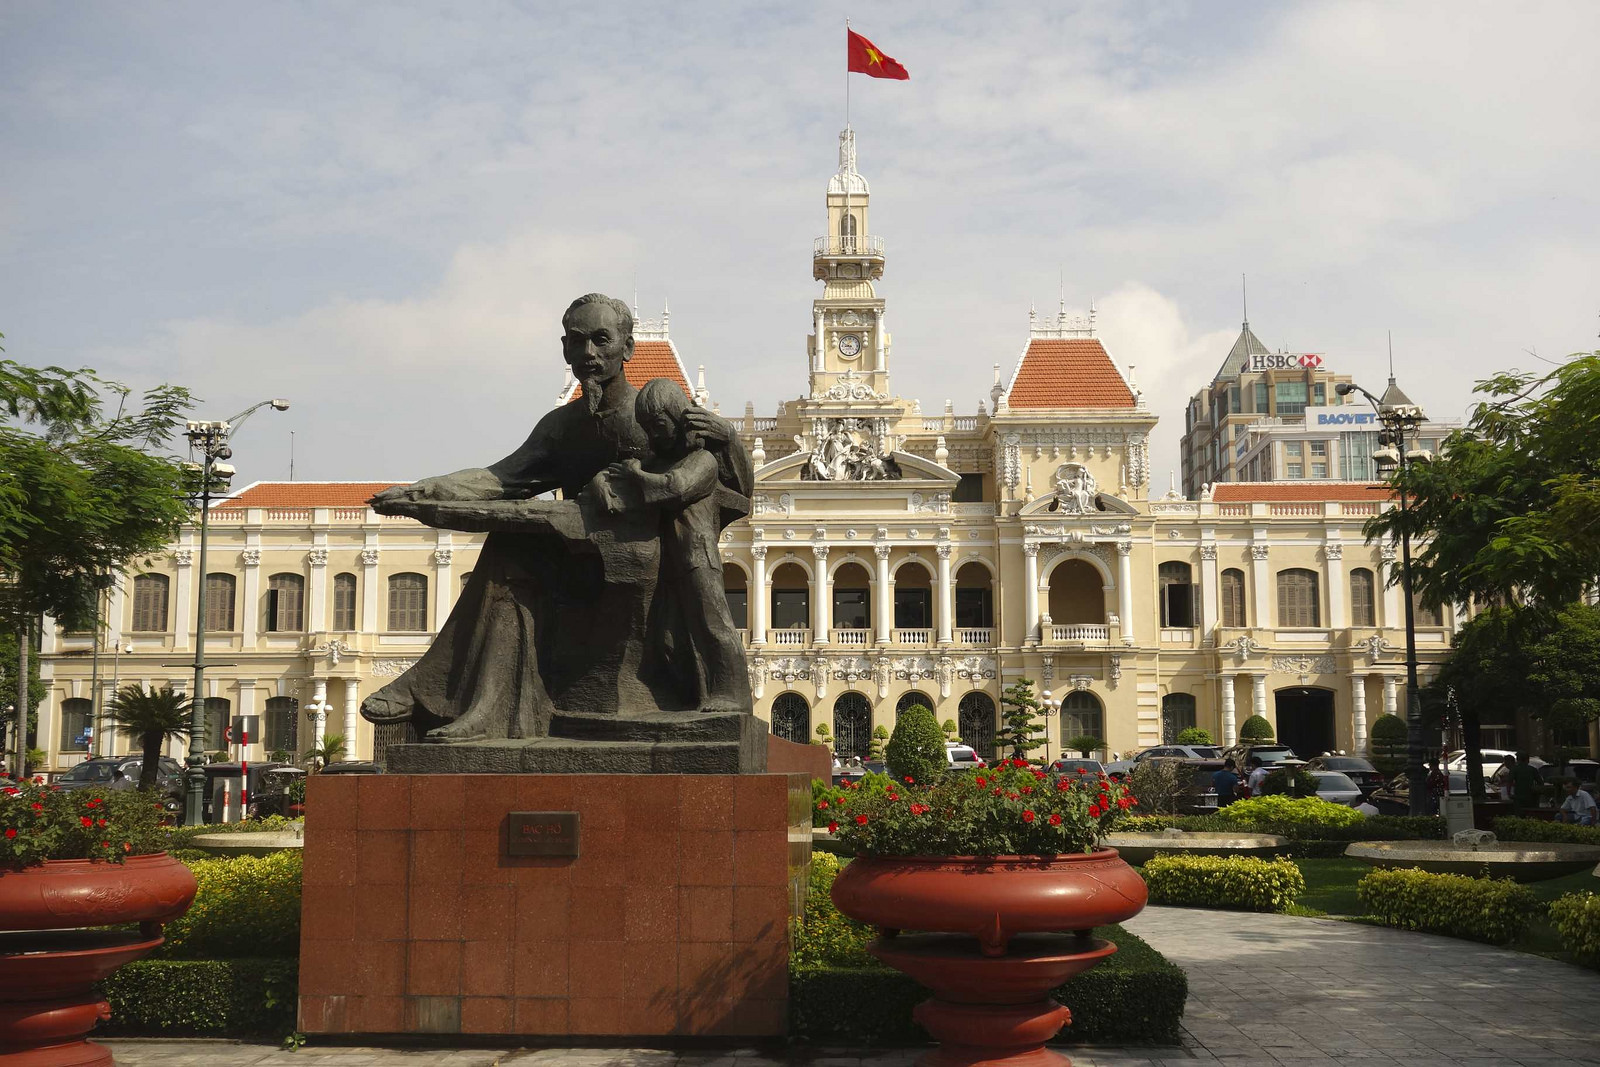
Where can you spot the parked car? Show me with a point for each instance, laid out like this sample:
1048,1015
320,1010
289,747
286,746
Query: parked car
1121,768
98,773
216,772
1360,771
1071,765
1492,758
352,766
1338,788
1394,796
854,769
1586,771
273,795
1267,754
962,757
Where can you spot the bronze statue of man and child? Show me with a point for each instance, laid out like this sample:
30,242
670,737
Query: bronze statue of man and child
594,633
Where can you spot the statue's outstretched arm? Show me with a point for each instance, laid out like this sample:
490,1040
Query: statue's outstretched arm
526,472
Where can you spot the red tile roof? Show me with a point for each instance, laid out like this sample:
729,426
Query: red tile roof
1230,491
305,494
1068,372
651,359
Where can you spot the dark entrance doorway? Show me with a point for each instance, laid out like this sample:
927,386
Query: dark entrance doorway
1305,720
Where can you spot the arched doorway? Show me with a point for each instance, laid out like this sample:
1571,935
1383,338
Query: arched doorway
974,598
911,700
1082,715
852,602
852,725
975,722
791,598
1077,594
913,598
1305,720
791,718
1177,715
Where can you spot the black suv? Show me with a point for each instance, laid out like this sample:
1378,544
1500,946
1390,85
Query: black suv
1366,777
1268,754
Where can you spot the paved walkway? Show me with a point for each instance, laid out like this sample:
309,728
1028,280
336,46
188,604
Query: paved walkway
1264,991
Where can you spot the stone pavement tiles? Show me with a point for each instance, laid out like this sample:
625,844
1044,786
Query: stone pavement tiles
1264,991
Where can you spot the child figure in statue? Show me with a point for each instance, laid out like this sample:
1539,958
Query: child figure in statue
681,480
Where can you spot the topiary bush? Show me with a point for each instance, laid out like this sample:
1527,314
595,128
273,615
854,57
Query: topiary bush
1388,739
1479,909
1576,917
1194,735
1256,728
1290,811
1514,828
1244,883
244,906
916,748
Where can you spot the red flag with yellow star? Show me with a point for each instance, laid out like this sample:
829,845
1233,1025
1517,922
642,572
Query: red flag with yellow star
866,59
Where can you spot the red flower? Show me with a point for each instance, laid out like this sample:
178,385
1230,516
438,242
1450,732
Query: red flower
85,820
1027,789
1055,819
1062,785
11,790
1082,770
11,831
981,780
861,820
997,790
910,780
822,805
833,828
1094,811
37,806
1027,816
94,802
127,846
1134,801
1124,804
105,844
1013,796
1038,775
102,822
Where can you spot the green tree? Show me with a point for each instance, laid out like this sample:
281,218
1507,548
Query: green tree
880,734
330,750
1194,735
82,492
8,691
824,735
1021,729
916,748
150,717
1388,740
950,731
1256,728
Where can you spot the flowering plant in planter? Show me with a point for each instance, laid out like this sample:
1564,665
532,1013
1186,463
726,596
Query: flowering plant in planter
1012,809
39,822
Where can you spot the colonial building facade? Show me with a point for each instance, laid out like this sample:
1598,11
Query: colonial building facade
892,556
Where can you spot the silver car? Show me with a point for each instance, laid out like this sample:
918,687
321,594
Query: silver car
1337,787
1123,767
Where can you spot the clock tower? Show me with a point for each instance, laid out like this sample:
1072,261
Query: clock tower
849,344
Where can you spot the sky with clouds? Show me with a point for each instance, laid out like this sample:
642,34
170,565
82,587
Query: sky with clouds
379,211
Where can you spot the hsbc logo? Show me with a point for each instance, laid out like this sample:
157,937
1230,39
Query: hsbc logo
1310,360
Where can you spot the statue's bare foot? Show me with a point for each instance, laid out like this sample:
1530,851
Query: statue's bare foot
385,707
463,729
720,707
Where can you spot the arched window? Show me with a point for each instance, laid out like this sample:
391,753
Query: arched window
344,601
737,592
791,718
852,598
219,603
1424,614
408,603
286,603
791,598
280,726
1077,594
219,713
150,603
847,231
1363,598
1233,597
1177,715
1177,594
77,717
1298,602
975,723
1082,715
913,598
974,598
911,700
852,725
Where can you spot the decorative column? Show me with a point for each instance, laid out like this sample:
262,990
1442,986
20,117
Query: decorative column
759,596
1210,591
1266,606
1230,732
885,597
442,577
319,710
352,715
317,591
1390,703
821,597
250,603
1030,594
183,616
1358,711
1125,589
945,607
370,622
1338,613
1258,694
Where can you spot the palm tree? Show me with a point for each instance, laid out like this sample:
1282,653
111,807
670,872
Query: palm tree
152,717
330,750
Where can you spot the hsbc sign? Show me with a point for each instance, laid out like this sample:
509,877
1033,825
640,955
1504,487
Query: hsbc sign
1284,361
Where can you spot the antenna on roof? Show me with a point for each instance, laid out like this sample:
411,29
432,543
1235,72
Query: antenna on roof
1244,301
1391,355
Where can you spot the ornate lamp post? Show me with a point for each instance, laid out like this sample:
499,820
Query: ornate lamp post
209,441
1401,419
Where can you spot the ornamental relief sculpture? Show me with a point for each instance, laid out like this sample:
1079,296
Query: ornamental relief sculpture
1304,665
851,450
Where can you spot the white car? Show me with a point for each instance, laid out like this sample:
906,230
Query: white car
1124,767
1338,788
962,757
1492,758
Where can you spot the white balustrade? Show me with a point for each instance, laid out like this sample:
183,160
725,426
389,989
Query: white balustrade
976,635
916,636
1081,633
852,638
793,638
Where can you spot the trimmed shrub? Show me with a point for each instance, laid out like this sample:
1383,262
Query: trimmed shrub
1479,909
244,906
1388,739
1244,883
1576,918
1290,811
1194,735
916,748
1514,828
235,998
1256,728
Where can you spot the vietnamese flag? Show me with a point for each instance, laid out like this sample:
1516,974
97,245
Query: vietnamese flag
864,58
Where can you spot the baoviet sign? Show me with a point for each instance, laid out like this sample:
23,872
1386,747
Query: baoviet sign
1342,418
543,833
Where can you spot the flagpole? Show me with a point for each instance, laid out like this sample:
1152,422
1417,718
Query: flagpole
847,72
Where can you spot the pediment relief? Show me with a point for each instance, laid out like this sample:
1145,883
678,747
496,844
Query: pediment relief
916,472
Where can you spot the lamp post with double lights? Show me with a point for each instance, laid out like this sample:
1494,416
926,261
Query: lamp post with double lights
208,442
1401,420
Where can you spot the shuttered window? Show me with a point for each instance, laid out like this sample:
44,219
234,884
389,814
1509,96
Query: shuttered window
286,603
344,602
408,602
1424,614
1233,597
1297,598
150,603
219,603
1363,598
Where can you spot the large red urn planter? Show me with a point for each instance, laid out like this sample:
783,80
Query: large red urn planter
998,933
50,967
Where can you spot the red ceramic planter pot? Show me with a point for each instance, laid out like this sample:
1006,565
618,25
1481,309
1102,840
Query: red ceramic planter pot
991,898
60,894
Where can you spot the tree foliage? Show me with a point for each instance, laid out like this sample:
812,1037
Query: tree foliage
1543,664
1021,730
1256,728
150,717
1195,735
916,748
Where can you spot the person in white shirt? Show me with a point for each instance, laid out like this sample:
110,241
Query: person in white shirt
1367,807
1578,806
1257,778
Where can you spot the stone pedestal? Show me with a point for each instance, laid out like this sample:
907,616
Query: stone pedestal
672,920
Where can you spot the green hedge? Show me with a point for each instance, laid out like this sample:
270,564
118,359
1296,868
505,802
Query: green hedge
233,998
840,995
1479,909
180,836
1306,839
1515,828
1290,811
243,906
1576,918
1245,883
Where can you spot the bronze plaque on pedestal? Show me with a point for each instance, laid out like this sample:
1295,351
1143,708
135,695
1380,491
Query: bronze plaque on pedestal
543,833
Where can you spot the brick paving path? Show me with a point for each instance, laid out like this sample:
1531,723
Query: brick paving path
1264,991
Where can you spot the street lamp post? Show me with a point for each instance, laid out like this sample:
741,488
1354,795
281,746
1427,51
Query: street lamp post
1401,419
210,442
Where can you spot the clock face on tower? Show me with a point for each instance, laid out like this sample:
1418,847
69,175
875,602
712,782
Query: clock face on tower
849,345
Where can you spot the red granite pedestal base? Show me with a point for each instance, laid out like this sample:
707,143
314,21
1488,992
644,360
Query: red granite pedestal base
673,920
